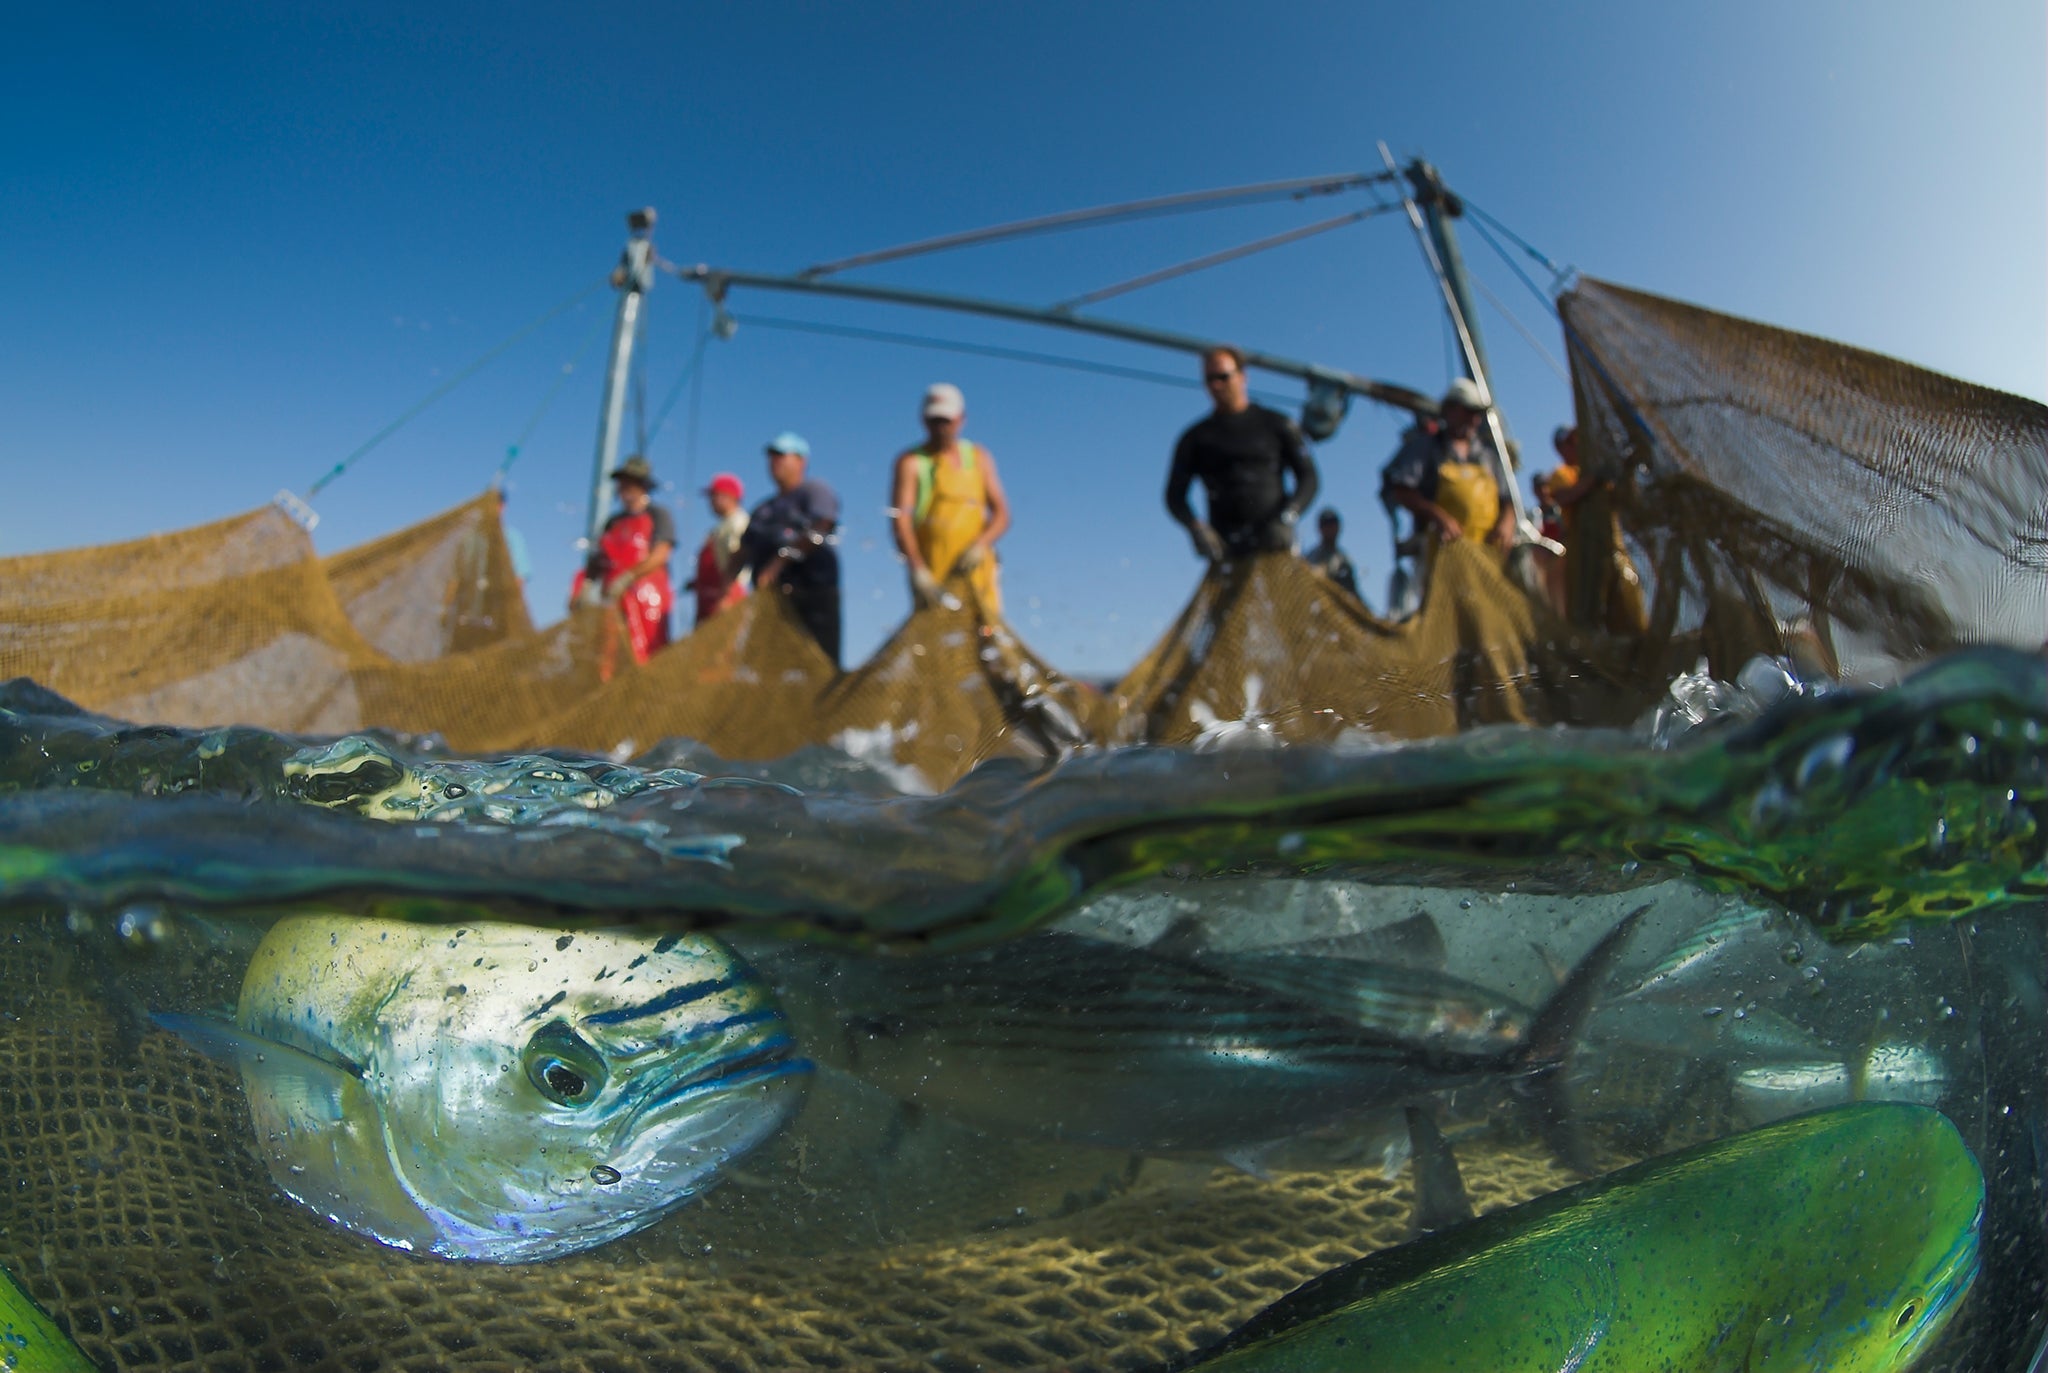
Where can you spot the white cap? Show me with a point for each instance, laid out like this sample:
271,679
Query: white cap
1465,391
944,402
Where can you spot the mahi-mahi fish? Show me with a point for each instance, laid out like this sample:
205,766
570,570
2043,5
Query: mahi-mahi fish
1842,1240
496,1091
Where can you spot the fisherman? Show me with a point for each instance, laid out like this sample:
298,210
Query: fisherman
629,566
789,543
1618,601
1451,478
947,505
714,589
1329,559
1241,452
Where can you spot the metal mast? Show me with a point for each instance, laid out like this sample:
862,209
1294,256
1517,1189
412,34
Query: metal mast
632,278
1430,211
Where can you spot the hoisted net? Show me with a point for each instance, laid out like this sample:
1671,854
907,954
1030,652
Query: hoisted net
1786,493
445,585
1269,647
1773,493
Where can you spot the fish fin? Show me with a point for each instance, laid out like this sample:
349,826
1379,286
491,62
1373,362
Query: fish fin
305,1083
1183,938
1416,941
1551,1036
1440,1196
1552,964
1251,1159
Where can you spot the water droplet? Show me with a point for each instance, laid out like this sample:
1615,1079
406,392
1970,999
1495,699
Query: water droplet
604,1175
1466,904
1710,1012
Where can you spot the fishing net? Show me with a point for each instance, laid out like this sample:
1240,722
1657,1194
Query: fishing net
149,1229
445,585
1270,648
1764,493
1784,493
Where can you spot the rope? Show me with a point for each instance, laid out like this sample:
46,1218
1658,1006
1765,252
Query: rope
1523,329
1300,188
449,385
547,399
675,390
1558,275
1106,369
1217,259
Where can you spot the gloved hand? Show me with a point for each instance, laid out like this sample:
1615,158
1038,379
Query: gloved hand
924,587
1208,543
1278,536
971,557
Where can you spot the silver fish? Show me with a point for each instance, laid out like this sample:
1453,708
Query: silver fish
1060,1036
496,1091
1892,1071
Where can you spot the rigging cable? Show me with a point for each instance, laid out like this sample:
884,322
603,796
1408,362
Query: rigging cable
1217,259
1300,188
513,449
675,390
1528,336
1107,369
1558,275
449,385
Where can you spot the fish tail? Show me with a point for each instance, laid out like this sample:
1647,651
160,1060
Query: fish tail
1539,1062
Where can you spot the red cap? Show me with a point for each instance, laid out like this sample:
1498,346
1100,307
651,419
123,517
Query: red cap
729,484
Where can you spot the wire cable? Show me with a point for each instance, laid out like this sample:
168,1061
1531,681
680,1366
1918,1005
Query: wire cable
1558,275
1217,259
1107,369
512,450
1527,335
449,385
1297,189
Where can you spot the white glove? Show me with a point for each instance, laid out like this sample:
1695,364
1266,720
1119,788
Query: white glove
924,587
971,557
1208,543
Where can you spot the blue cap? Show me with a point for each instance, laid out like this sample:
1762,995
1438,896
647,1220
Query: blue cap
788,442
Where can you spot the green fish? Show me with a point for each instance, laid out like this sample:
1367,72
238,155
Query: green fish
30,1341
496,1091
1842,1240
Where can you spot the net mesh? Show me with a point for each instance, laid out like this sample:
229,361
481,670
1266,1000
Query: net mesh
1761,492
153,1234
1778,486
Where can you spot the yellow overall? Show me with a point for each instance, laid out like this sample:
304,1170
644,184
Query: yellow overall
951,512
1469,494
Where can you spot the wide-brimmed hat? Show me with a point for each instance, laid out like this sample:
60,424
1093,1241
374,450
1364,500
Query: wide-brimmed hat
634,469
1466,392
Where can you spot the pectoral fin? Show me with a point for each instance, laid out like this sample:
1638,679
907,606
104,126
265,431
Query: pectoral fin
305,1086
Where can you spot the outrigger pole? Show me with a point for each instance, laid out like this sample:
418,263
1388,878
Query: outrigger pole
718,281
631,278
1430,211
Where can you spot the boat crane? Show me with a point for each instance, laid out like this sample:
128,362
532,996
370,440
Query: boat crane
1420,193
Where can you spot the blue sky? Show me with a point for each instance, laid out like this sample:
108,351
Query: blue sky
237,240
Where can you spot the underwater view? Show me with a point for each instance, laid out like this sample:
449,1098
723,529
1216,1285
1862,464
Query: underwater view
1721,1042
1070,688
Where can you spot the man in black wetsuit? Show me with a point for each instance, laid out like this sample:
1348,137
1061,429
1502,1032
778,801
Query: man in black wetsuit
1240,452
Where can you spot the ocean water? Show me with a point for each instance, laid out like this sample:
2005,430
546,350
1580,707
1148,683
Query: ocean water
1075,1068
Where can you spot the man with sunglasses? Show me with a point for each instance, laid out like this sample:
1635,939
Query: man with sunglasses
1243,454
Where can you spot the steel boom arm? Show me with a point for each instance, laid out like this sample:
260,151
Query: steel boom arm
716,281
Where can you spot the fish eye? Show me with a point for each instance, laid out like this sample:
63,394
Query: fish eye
563,1067
1906,1314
